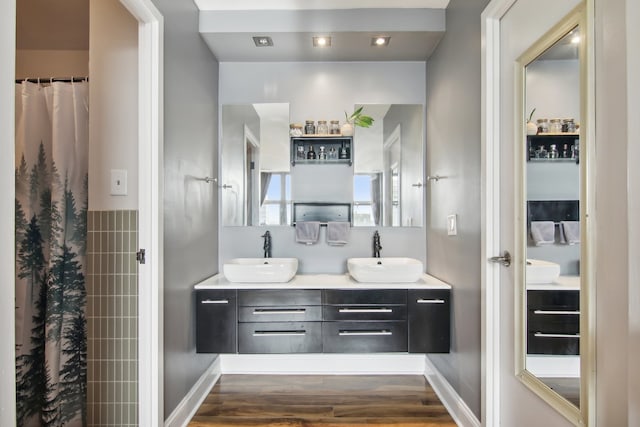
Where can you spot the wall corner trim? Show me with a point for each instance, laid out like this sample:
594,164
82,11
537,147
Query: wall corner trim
458,409
189,405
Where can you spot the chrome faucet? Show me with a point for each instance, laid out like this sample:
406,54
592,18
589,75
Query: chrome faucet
376,244
267,244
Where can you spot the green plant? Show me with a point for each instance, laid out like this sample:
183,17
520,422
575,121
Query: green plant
359,119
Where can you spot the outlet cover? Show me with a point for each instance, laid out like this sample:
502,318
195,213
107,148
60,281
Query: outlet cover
118,182
452,225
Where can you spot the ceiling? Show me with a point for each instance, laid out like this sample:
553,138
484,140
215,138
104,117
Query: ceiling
415,28
318,4
52,25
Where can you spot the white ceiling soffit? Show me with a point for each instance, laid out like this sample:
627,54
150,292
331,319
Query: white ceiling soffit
319,4
414,34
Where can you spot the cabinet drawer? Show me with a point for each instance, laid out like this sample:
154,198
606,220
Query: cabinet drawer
553,300
216,321
364,312
558,321
308,313
279,297
429,321
364,297
280,337
553,343
364,337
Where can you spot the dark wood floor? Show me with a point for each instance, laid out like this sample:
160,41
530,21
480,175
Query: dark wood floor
325,401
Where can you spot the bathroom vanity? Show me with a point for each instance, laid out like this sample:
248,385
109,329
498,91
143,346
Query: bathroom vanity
322,313
553,317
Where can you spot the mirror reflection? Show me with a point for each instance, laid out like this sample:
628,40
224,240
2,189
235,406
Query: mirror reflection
258,183
388,168
255,184
552,271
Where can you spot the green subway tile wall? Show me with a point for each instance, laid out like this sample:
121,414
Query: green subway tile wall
112,318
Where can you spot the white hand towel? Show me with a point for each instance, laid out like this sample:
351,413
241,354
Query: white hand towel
307,232
543,232
570,232
338,233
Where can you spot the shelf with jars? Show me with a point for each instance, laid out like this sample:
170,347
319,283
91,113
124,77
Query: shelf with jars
553,147
322,149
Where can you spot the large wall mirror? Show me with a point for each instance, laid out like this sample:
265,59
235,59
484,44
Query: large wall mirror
258,184
554,219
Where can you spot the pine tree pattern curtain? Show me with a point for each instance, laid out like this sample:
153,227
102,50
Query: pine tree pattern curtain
52,135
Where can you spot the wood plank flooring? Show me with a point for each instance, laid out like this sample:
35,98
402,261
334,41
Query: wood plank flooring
323,401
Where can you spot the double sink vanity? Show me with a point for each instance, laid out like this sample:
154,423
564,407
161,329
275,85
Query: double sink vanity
260,306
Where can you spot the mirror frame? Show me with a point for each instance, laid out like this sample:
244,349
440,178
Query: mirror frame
581,16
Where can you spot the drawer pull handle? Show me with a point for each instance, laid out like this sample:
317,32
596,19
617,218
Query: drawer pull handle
383,332
259,311
215,301
365,310
560,312
430,301
543,335
278,333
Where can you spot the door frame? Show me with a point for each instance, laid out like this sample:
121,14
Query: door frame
150,210
7,216
490,210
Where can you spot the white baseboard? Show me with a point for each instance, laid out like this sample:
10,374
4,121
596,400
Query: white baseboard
188,406
460,412
323,364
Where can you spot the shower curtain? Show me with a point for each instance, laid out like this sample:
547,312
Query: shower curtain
52,133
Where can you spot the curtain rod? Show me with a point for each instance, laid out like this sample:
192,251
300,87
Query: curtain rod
54,79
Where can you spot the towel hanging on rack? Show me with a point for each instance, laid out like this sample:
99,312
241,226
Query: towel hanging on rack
543,232
570,232
307,232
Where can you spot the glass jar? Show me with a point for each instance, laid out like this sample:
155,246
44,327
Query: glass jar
541,152
295,129
543,125
569,125
323,129
555,126
300,154
334,128
309,127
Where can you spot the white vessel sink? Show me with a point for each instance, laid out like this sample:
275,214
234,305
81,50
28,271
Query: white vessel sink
387,270
260,270
539,271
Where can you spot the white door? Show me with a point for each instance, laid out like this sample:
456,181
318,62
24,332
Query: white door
510,27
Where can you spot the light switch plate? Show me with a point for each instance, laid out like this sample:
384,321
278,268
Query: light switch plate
452,225
118,182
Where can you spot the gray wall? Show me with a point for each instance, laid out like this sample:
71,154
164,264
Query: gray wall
190,207
453,150
322,90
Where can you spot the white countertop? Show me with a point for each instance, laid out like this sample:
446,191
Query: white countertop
322,281
562,283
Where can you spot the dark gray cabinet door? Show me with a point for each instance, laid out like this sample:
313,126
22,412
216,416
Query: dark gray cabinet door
216,321
429,321
280,337
364,337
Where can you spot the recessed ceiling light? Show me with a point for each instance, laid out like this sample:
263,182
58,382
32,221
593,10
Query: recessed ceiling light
575,39
322,42
380,41
262,41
